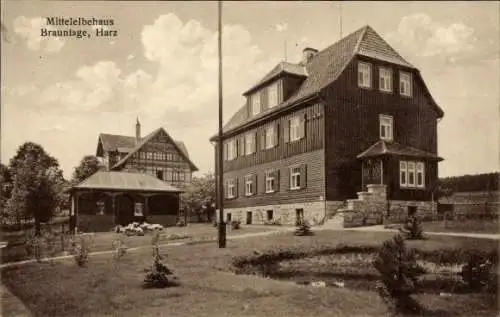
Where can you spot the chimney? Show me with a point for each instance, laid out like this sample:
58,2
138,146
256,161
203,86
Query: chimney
137,131
307,54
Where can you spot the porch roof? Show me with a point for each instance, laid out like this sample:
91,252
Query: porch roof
124,181
382,147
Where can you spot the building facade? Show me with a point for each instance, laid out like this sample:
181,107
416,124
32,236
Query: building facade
347,129
156,154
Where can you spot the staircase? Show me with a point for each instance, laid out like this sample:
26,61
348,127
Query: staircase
368,209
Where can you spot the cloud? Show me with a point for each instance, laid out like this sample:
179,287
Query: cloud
420,36
180,94
281,27
30,30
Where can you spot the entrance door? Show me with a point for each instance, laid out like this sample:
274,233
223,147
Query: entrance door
412,211
249,217
299,215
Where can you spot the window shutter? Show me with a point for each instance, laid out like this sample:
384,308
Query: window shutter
280,91
263,140
237,186
263,183
303,126
277,180
254,184
276,134
286,131
303,176
224,149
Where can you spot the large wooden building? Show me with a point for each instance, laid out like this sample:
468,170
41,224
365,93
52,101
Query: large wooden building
142,180
347,123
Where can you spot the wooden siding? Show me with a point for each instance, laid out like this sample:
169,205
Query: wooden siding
311,163
352,125
312,141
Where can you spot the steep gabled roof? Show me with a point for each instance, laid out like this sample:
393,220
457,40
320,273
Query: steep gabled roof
125,144
148,138
325,67
114,180
281,68
382,147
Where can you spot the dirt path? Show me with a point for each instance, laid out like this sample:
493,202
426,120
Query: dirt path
380,228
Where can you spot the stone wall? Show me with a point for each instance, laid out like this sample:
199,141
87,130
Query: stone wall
398,210
314,213
332,207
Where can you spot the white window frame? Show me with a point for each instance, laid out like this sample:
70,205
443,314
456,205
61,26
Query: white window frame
273,95
255,103
403,170
231,188
270,182
249,143
405,84
270,133
248,185
385,79
295,129
364,75
420,170
231,150
387,127
295,177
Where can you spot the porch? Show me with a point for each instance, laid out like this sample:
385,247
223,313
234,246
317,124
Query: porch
107,199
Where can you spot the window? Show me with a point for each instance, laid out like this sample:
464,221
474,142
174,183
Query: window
249,143
231,188
402,174
405,84
295,178
420,174
168,175
295,129
248,185
188,176
385,83
272,94
169,157
159,174
386,125
270,181
149,155
270,137
175,176
269,215
255,103
412,174
231,150
364,75
181,176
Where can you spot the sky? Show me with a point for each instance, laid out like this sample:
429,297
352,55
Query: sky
162,68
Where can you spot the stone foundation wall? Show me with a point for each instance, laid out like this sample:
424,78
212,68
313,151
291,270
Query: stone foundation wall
398,210
314,213
332,207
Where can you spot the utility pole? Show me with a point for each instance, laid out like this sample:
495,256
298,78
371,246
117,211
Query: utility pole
285,49
220,175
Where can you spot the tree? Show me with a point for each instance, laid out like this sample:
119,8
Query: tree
199,195
89,164
5,187
37,184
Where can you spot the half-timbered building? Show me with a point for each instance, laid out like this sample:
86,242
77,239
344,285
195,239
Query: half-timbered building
347,127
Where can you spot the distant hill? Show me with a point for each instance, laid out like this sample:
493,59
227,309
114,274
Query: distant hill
471,183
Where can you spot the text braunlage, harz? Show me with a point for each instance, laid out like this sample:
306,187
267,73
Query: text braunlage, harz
79,28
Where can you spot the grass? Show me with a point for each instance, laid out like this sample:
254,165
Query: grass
468,226
208,288
103,241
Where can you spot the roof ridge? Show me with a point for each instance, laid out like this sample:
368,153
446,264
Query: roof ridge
360,39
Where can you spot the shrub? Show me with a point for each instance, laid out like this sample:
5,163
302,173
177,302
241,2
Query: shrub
120,249
81,250
399,272
412,229
33,246
303,229
158,275
479,273
236,224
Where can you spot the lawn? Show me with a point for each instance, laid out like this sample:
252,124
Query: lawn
466,225
208,288
103,241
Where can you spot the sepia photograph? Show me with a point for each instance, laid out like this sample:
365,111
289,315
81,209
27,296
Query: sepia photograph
249,158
